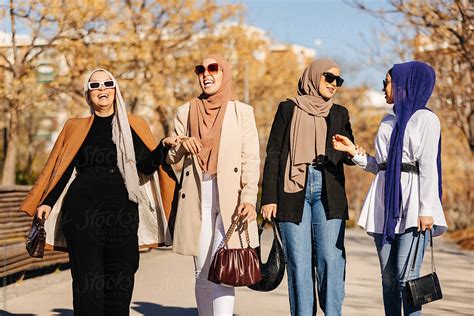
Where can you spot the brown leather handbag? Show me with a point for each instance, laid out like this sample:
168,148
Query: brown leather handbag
235,267
36,240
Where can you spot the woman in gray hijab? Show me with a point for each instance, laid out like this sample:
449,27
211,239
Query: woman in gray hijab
303,189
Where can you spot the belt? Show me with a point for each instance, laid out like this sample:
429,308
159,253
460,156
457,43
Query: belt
406,167
110,170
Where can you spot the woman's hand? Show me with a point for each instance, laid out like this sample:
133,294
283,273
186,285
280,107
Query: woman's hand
247,211
425,223
360,150
172,141
342,143
269,211
43,211
192,145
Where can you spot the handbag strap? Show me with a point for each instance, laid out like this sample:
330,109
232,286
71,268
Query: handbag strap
412,268
262,225
231,230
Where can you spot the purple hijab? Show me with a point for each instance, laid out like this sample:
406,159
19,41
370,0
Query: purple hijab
412,85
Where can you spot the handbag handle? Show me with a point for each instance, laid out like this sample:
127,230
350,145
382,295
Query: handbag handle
433,268
231,230
262,225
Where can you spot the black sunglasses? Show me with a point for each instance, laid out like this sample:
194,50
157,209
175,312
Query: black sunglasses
212,69
329,77
385,84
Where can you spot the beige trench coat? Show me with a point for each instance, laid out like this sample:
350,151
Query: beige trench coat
237,178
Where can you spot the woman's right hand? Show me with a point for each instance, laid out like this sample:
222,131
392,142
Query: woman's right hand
172,141
43,211
269,211
192,145
342,143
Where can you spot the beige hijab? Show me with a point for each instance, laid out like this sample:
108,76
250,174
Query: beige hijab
122,137
206,115
308,128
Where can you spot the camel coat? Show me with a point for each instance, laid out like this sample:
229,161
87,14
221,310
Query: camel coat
237,178
153,225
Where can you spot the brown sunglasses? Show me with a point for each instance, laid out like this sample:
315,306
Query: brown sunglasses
212,69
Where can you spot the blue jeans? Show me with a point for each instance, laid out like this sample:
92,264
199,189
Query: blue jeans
395,260
318,243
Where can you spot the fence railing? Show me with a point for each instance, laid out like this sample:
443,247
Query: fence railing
14,226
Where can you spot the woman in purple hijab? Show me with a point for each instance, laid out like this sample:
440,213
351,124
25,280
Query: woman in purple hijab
404,200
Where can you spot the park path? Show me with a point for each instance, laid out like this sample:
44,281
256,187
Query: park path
164,286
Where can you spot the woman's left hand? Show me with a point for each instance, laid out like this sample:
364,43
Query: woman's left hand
425,223
247,212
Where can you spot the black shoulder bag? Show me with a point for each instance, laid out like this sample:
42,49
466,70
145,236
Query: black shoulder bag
424,289
274,269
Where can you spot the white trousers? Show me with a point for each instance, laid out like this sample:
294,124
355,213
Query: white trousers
212,299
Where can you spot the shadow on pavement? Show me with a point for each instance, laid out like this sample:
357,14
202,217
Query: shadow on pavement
5,313
146,308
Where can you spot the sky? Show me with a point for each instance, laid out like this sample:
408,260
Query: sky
331,27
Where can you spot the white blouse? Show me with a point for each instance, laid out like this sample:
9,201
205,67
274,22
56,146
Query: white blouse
419,191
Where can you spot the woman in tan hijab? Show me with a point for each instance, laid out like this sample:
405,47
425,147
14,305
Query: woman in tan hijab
219,180
304,176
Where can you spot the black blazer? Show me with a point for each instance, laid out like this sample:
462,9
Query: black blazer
290,205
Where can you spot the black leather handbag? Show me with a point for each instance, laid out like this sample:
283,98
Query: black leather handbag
36,239
274,269
424,289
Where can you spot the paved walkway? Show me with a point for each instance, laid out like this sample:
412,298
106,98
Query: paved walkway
164,286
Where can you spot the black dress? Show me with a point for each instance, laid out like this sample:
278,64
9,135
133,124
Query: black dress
100,223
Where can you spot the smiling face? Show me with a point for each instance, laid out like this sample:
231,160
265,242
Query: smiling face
326,89
388,89
210,84
103,98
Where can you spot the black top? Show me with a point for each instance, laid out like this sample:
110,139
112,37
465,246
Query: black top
99,151
290,205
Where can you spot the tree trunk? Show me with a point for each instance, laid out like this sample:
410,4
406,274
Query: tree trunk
9,166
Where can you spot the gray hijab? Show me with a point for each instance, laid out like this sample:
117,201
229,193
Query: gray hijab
308,129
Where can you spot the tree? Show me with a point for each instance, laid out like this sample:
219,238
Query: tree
146,44
35,28
439,32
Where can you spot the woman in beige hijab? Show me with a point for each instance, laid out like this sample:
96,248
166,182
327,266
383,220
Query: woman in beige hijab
303,189
219,180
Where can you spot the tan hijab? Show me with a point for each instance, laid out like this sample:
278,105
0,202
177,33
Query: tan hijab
308,129
206,115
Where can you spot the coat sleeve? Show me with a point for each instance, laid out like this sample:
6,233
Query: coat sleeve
274,146
175,154
32,200
348,133
250,161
